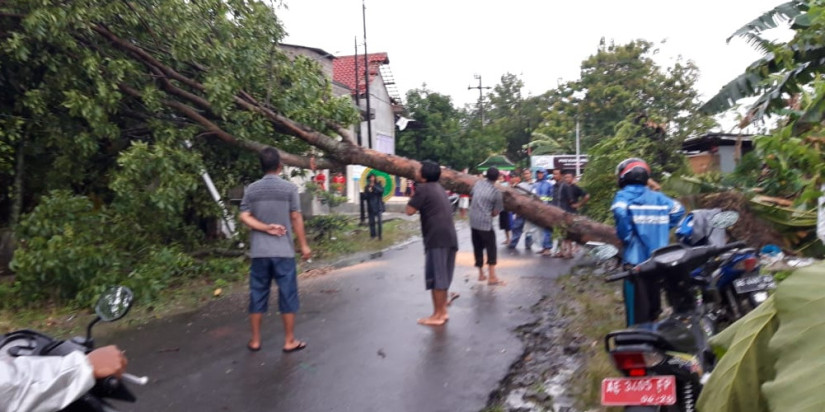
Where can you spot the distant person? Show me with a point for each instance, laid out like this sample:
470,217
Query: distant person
563,199
487,204
339,183
440,240
374,196
463,202
321,180
272,209
505,218
543,188
579,196
520,224
643,218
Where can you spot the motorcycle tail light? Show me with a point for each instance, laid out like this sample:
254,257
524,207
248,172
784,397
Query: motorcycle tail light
760,297
748,264
636,363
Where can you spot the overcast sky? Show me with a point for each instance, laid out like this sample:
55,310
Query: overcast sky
444,43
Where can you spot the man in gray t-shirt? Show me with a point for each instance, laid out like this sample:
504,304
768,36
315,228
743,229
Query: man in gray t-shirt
271,208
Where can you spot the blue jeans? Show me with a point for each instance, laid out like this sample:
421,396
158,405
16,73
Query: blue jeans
518,228
547,239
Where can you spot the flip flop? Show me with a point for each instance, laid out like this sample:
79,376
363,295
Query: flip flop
251,349
497,283
300,346
453,296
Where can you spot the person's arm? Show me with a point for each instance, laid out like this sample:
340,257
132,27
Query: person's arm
653,185
255,224
415,203
50,383
677,211
298,227
624,228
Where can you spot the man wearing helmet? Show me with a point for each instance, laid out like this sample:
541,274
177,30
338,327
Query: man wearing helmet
643,221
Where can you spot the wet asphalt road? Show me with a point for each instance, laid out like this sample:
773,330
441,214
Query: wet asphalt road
365,351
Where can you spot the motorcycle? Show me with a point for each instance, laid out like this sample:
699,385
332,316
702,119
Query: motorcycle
666,362
111,306
733,285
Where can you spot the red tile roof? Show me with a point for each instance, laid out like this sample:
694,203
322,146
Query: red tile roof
343,69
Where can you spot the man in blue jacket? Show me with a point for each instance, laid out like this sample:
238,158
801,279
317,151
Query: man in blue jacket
643,221
543,188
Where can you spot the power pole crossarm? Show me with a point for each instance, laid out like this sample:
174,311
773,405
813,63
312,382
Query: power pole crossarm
480,88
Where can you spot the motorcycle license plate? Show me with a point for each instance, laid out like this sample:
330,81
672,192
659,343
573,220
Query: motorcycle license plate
651,390
750,284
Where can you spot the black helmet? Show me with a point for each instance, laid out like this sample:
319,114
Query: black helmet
633,171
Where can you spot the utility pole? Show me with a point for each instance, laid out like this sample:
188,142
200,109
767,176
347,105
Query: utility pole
367,75
578,150
357,97
480,96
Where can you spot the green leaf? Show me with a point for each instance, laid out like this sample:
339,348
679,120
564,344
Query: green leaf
747,362
798,343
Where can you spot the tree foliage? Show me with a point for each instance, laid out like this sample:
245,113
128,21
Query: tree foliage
620,81
110,114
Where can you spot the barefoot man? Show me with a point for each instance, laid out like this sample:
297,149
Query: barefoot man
440,241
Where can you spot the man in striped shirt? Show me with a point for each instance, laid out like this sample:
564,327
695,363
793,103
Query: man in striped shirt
487,204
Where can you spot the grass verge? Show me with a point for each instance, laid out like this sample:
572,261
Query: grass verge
593,309
228,277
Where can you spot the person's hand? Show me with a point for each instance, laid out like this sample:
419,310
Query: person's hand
107,361
275,229
306,252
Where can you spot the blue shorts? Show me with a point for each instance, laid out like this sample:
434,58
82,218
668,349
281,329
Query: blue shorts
261,274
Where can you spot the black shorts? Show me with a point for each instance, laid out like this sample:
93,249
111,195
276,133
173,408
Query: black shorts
439,267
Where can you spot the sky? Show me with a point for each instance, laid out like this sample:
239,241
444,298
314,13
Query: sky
443,44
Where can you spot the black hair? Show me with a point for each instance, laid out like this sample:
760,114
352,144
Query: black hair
492,173
567,172
430,171
270,160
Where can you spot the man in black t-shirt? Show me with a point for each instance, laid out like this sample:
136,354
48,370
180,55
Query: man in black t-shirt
440,240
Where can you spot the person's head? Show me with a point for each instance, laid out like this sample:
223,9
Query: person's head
430,171
526,175
541,173
557,174
371,178
567,176
632,171
492,174
270,160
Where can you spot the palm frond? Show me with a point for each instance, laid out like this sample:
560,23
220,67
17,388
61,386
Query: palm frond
771,19
744,85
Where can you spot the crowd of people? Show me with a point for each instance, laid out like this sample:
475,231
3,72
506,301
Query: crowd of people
270,207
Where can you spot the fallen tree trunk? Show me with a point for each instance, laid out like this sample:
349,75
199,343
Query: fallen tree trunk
344,151
186,96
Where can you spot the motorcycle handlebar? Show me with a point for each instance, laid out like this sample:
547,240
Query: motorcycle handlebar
137,380
617,276
729,246
716,251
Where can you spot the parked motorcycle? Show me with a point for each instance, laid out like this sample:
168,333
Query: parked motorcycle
733,284
112,305
665,362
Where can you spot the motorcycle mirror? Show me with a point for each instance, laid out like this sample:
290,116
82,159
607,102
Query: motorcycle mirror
603,252
724,219
114,303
